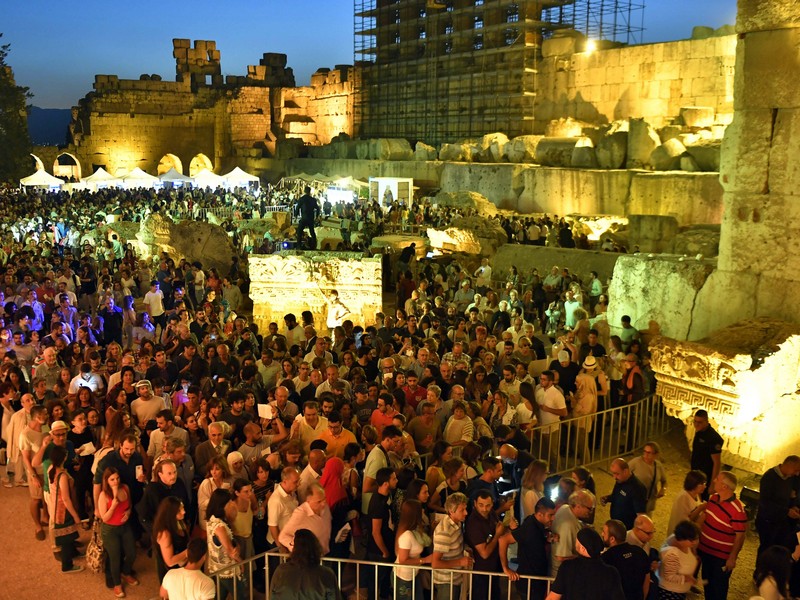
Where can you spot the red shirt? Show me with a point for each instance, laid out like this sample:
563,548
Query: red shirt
119,510
415,397
724,519
380,420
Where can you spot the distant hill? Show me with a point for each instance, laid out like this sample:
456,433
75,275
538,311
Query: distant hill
48,126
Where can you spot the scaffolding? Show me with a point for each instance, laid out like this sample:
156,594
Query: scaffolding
609,20
443,70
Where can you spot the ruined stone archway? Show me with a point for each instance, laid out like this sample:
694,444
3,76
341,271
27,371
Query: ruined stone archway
37,163
67,167
200,162
169,161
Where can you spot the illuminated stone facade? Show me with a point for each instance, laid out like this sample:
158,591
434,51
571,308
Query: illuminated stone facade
291,282
746,376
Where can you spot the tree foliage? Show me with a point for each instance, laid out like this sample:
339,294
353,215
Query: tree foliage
15,143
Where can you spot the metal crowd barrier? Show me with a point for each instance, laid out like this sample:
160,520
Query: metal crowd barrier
354,575
601,436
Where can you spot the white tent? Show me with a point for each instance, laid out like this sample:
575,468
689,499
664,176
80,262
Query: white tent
41,179
101,179
239,178
175,178
140,179
207,179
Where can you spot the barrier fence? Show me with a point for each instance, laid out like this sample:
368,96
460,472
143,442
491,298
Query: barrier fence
583,440
354,575
602,436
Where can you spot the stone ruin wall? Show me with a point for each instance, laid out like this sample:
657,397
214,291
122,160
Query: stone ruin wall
289,282
124,124
653,81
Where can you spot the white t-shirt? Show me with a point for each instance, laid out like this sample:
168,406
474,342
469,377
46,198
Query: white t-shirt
185,584
551,398
408,541
154,301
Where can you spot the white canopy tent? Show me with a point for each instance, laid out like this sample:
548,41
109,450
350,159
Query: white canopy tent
174,178
239,178
101,179
207,179
41,179
140,179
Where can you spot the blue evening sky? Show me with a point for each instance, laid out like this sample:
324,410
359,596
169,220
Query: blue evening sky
58,47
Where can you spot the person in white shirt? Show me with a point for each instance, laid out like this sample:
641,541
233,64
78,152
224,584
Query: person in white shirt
552,407
281,505
86,379
154,304
483,276
189,582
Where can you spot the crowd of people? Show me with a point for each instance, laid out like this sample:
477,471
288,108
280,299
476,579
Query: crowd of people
138,398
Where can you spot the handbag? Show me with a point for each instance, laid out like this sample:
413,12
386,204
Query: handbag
95,553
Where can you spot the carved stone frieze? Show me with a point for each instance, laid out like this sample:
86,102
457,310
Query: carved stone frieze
745,376
292,281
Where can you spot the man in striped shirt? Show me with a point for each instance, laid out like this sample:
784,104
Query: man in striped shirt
722,535
448,548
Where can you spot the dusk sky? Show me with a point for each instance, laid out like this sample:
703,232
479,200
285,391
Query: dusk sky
58,47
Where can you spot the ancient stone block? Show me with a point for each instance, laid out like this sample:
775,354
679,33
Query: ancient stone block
559,46
744,159
642,140
465,199
697,240
689,164
423,151
455,152
697,116
706,154
784,169
756,15
564,128
667,157
583,155
522,149
391,149
701,32
293,282
555,152
612,150
492,147
763,81
652,233
745,377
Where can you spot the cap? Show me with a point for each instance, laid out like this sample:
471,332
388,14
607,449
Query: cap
592,541
143,383
590,362
58,426
563,356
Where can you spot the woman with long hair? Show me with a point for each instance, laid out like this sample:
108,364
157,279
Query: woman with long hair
502,413
223,554
114,506
170,536
218,477
477,386
411,541
303,575
532,487
61,388
440,453
773,572
453,482
65,516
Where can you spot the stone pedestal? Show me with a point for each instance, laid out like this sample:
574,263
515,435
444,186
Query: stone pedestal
294,281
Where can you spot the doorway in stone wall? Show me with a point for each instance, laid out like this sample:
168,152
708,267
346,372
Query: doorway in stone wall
169,161
200,162
67,167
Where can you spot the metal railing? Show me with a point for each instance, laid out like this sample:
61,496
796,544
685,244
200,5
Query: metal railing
601,436
354,575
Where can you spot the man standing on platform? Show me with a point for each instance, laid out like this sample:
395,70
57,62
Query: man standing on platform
308,207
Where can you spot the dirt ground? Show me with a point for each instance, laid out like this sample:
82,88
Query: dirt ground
675,455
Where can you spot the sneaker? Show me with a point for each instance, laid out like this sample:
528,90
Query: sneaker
119,592
8,482
129,579
22,484
74,569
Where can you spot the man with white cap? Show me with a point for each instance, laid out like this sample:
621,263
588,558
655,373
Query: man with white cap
147,406
587,577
